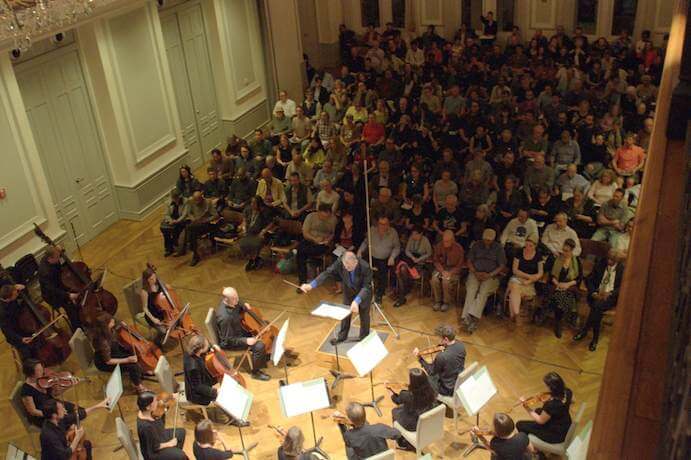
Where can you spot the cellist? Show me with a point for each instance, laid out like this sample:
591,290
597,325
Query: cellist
231,334
52,289
54,443
9,320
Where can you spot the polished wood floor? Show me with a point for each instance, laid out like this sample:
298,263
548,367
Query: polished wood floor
517,356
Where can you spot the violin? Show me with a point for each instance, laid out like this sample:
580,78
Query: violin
253,322
431,350
278,431
339,418
80,452
57,382
147,352
76,277
535,399
50,344
218,365
169,302
164,401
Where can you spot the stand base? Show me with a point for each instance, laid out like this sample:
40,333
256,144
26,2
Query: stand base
246,452
318,450
339,376
374,404
475,444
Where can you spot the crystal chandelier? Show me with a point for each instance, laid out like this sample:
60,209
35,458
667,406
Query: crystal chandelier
23,20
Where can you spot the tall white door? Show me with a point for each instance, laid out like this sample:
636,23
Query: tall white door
310,33
62,121
188,56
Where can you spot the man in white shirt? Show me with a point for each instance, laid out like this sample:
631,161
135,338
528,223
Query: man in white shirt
518,230
555,234
288,105
415,56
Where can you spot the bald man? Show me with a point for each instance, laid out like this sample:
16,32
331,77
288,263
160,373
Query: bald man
232,336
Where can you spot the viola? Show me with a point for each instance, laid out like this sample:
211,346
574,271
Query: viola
76,277
57,382
279,431
432,350
339,418
147,352
164,401
80,452
253,322
218,365
169,302
51,346
535,399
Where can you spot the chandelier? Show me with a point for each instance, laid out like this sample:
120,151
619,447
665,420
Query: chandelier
23,20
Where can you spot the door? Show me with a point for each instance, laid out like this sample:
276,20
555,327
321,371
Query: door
62,121
188,56
308,29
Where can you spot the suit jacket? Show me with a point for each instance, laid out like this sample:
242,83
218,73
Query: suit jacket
198,383
595,278
360,286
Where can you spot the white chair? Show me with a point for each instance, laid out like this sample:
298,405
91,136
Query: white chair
430,428
83,351
18,406
166,378
127,440
560,448
210,323
452,402
386,455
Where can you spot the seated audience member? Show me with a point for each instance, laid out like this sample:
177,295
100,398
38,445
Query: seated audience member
570,180
173,223
283,151
271,190
480,220
518,231
552,421
318,232
444,370
527,269
385,205
443,188
565,151
474,193
247,162
298,165
417,252
612,218
285,104
581,213
446,163
486,261
509,200
417,215
479,164
629,158
280,124
415,184
414,401
373,133
537,176
564,276
557,233
214,188
301,127
298,198
385,178
314,154
328,196
241,189
260,146
362,439
277,170
448,262
256,223
602,190
223,165
536,144
385,246
544,207
621,241
327,172
202,218
450,217
187,184
603,285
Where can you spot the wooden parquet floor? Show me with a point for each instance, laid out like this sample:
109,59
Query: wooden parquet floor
517,356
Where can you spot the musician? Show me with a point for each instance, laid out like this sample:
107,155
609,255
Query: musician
292,447
416,400
52,289
205,437
552,421
10,308
153,314
232,335
155,441
54,444
200,387
109,353
364,440
444,370
506,442
34,397
356,277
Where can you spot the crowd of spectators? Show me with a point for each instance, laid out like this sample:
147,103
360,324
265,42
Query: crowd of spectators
486,161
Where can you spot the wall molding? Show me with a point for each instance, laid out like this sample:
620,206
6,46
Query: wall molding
534,7
245,124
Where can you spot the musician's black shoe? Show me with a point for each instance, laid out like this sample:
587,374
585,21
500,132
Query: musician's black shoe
250,265
259,375
399,302
593,345
336,341
580,336
194,261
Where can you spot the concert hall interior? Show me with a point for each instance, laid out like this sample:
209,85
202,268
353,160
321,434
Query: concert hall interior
346,229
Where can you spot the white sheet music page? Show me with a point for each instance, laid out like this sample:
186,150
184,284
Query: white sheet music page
234,399
114,388
367,353
476,391
279,343
303,397
333,311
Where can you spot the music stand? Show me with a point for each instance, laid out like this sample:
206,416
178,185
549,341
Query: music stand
338,312
175,323
303,397
365,356
474,393
236,401
279,348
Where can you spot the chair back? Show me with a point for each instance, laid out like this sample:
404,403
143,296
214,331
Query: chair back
127,440
82,349
165,376
462,377
210,323
386,455
134,302
233,217
18,406
430,426
291,227
574,424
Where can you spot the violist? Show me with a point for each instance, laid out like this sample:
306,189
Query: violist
155,441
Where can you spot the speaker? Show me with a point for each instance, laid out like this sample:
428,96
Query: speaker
15,54
57,38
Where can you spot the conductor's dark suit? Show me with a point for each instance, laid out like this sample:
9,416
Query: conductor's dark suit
357,285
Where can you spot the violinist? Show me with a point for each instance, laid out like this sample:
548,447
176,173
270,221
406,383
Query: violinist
413,402
444,370
506,442
232,335
364,440
154,315
155,441
552,421
52,289
109,353
292,446
205,437
9,320
54,443
34,397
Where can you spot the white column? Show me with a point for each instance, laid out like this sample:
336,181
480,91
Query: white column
287,51
329,17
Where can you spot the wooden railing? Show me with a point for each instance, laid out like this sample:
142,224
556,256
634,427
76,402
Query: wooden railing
629,413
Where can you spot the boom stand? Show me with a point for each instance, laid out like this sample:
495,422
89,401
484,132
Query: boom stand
245,452
475,441
377,307
317,442
337,374
374,403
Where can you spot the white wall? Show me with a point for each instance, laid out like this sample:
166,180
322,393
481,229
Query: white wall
284,32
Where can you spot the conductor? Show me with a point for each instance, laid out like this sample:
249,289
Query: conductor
356,276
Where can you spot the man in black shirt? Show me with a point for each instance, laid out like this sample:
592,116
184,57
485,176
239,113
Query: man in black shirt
364,440
52,289
231,334
507,443
54,445
444,370
9,320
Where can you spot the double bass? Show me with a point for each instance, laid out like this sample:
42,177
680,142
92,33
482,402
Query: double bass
50,344
169,302
217,365
146,351
76,277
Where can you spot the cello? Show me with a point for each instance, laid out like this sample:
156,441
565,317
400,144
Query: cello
169,302
217,365
50,342
254,323
146,351
76,277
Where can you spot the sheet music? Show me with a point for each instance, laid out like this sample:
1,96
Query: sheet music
476,391
114,388
338,250
330,310
279,343
303,397
234,399
367,353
